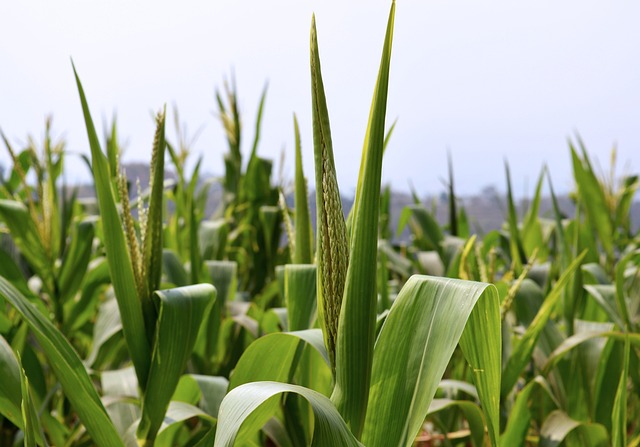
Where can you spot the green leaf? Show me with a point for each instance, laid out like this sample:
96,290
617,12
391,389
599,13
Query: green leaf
124,285
582,337
68,369
520,414
427,320
332,250
10,397
32,429
25,235
619,416
424,227
247,408
472,414
558,425
257,362
76,259
594,199
213,390
518,255
152,249
300,295
303,253
357,326
180,313
522,352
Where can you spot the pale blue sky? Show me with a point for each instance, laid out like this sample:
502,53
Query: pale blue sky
488,80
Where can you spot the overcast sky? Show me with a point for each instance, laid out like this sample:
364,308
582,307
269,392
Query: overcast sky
489,81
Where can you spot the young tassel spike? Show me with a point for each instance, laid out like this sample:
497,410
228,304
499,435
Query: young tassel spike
332,246
146,252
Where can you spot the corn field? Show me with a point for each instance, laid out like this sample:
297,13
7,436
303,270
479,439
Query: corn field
138,319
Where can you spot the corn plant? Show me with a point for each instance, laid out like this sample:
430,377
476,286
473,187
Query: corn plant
381,389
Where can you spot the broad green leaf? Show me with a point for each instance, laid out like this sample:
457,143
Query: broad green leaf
357,324
427,320
67,367
120,266
522,352
213,390
257,362
247,408
180,313
559,425
300,295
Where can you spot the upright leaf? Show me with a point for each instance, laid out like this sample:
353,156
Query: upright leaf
356,331
332,249
181,311
424,326
303,236
120,266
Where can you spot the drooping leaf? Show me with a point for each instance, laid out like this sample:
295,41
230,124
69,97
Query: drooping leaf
247,408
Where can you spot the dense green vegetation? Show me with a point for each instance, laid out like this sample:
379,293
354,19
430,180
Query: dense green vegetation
144,321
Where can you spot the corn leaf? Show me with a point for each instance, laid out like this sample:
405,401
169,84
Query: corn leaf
76,260
356,330
256,363
520,415
300,295
10,397
247,408
25,235
522,352
67,367
332,250
303,248
471,412
180,313
120,266
558,426
32,429
427,320
594,199
619,416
